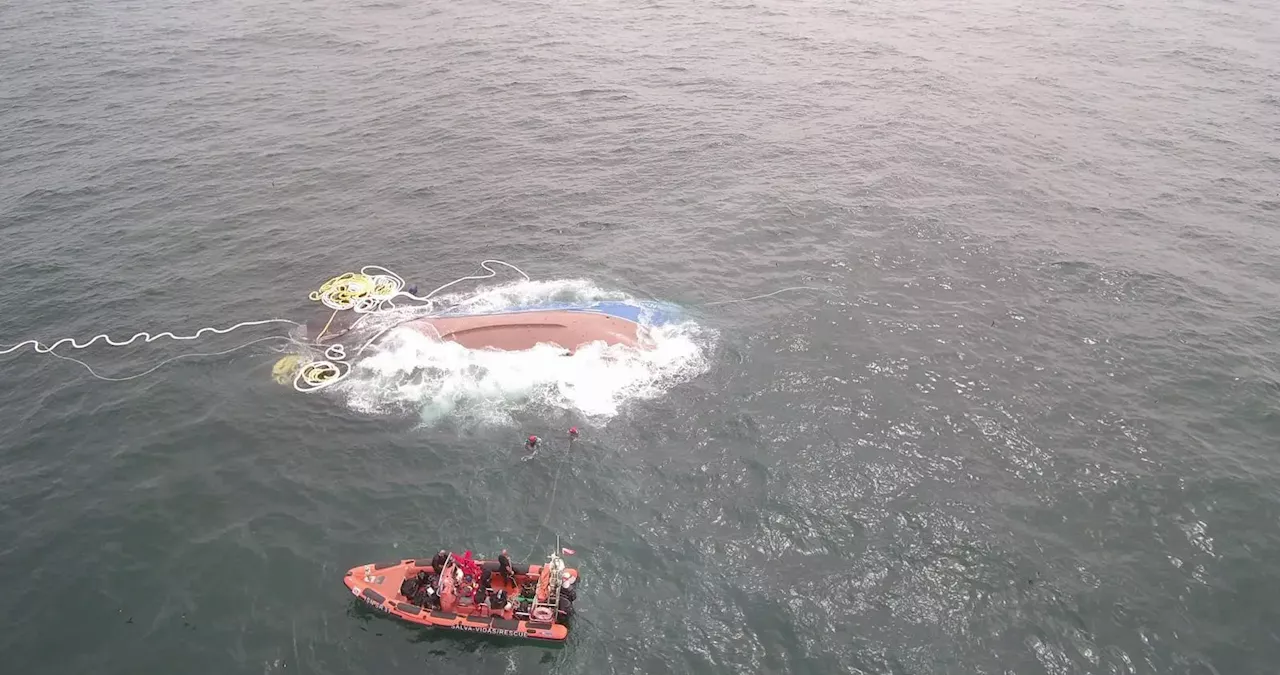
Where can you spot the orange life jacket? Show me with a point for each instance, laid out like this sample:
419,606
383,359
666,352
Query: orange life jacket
544,583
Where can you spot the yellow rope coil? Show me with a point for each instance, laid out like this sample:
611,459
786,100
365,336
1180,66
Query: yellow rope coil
285,368
320,374
307,374
357,290
372,289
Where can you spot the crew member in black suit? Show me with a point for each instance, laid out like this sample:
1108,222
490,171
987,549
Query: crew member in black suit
437,563
504,567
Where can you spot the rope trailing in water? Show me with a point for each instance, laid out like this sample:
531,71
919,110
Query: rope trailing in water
767,295
40,348
374,288
165,362
551,503
484,264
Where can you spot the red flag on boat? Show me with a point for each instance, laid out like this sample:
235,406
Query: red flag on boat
467,565
567,551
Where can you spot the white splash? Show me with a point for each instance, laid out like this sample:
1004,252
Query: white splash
409,370
506,296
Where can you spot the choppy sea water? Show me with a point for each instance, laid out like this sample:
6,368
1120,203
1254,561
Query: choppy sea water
1025,425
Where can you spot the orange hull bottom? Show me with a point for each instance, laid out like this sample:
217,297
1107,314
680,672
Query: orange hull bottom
378,585
518,331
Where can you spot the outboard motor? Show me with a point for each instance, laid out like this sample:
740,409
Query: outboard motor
568,591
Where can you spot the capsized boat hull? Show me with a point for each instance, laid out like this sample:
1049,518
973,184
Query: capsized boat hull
378,585
564,325
519,331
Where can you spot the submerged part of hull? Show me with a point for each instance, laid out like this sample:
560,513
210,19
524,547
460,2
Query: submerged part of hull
519,331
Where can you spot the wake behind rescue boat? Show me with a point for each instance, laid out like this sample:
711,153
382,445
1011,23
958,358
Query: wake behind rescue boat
472,595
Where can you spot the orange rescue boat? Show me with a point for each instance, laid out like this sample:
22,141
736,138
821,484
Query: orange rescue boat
536,603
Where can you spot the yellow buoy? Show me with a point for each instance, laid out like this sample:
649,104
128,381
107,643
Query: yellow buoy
285,368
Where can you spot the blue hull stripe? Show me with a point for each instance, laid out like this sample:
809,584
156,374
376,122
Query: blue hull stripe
655,314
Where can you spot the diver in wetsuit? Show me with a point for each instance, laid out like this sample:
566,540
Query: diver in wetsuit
437,563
